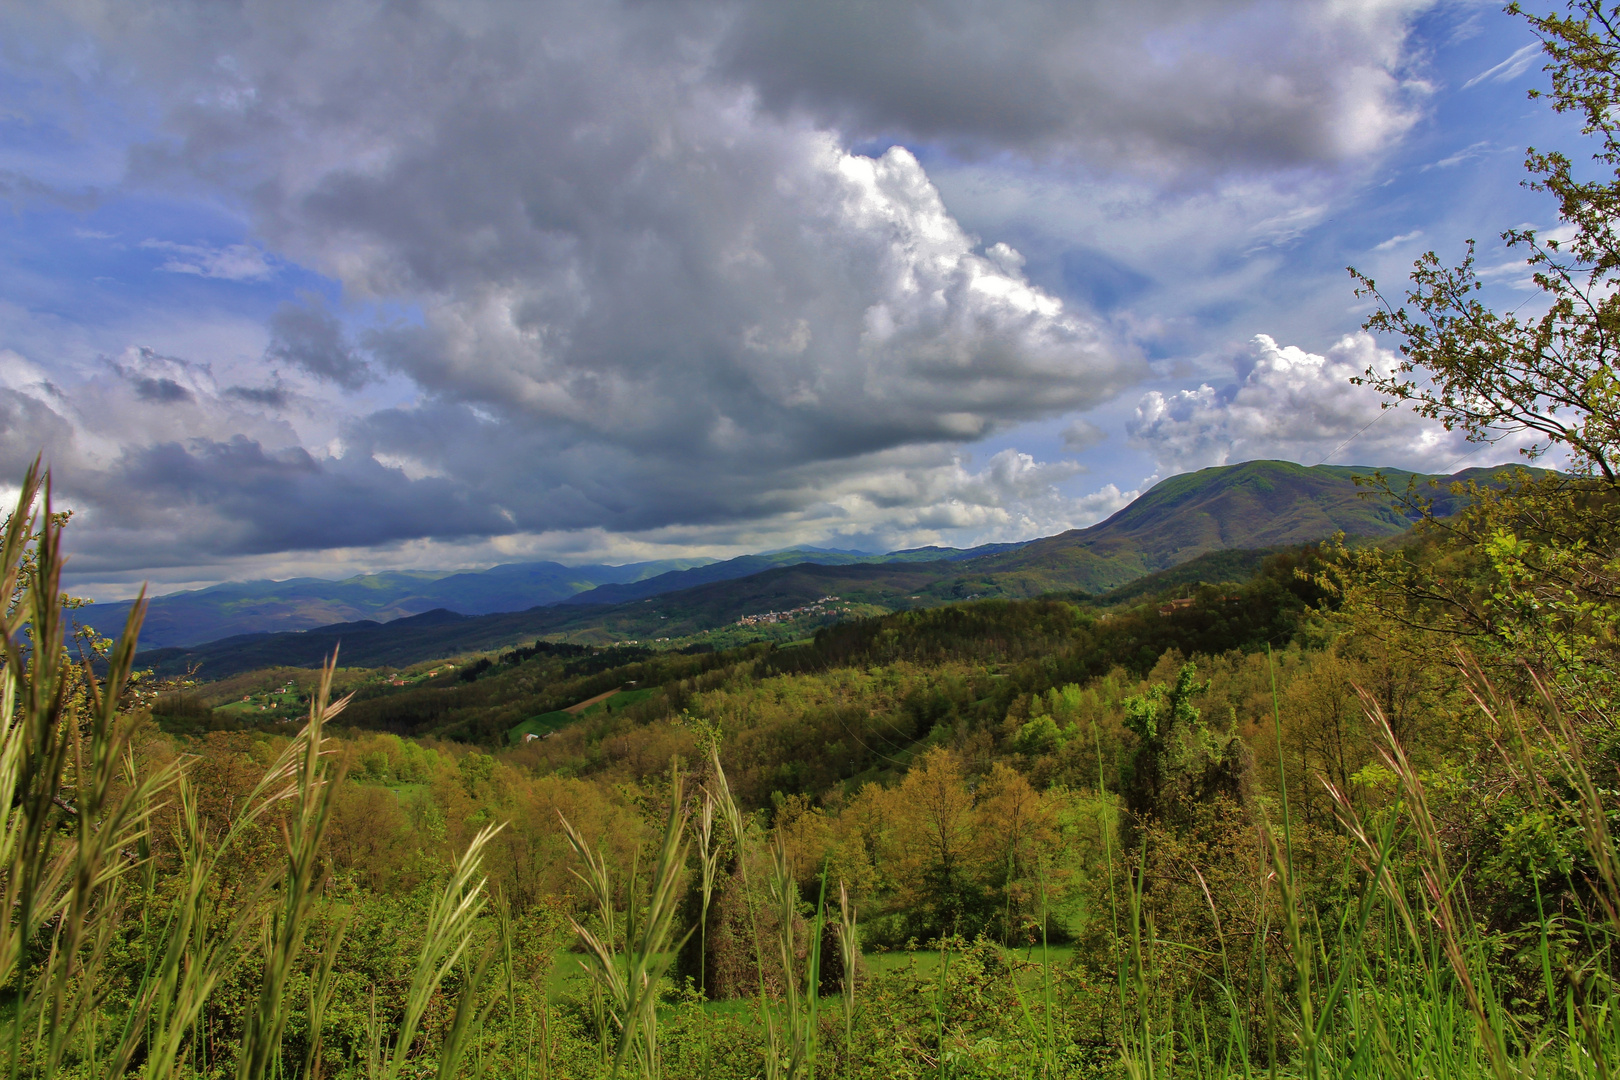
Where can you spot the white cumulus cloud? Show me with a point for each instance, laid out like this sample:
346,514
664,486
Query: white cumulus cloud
1295,405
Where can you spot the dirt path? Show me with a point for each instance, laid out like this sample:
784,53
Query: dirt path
588,702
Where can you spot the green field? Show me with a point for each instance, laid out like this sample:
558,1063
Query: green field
546,723
622,700
543,724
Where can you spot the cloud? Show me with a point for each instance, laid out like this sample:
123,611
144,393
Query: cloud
238,483
1397,241
236,497
234,262
159,379
1082,434
170,470
1508,69
617,269
657,288
840,312
271,397
1179,83
1298,406
308,336
1012,496
1472,152
163,391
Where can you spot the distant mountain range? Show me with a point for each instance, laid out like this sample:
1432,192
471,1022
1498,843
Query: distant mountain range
248,607
253,607
747,565
1255,505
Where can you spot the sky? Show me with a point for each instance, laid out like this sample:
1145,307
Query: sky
293,288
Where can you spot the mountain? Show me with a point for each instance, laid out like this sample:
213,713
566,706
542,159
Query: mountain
236,608
936,554
748,565
1255,505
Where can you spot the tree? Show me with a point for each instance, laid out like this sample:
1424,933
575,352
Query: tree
937,869
1179,759
1550,374
1527,577
1016,831
1519,594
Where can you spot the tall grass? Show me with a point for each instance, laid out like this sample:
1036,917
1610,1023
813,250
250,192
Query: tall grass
849,953
80,871
630,981
67,820
1399,979
794,1026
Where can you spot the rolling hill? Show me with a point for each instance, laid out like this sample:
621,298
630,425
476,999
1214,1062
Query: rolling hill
748,565
1255,505
235,608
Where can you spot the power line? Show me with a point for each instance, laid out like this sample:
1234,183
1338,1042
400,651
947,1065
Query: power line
1466,456
1354,437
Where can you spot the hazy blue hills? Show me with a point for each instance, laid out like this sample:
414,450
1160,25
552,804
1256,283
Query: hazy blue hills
235,608
1187,518
255,607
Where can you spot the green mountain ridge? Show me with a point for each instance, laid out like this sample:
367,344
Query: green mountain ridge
1254,505
748,565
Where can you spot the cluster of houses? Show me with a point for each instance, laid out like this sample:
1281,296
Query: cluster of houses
290,687
401,680
817,608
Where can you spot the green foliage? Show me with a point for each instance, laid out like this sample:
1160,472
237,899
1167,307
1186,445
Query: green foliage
1179,762
1547,374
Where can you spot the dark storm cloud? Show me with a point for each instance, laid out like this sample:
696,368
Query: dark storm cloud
1196,82
160,391
310,337
646,282
28,426
678,294
179,501
157,379
237,498
271,397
